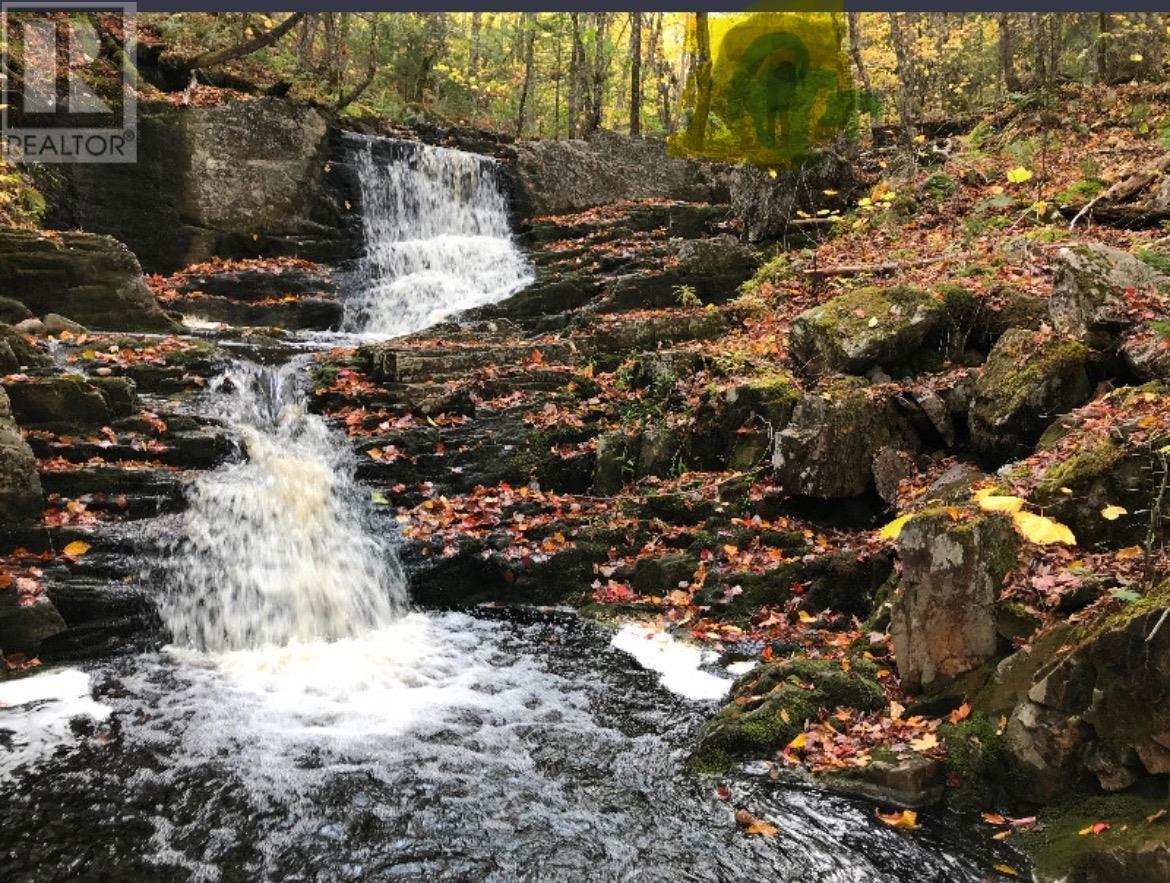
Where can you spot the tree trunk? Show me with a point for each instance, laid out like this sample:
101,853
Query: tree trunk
855,50
635,74
597,107
560,74
473,58
905,99
1007,66
576,61
528,23
245,47
1103,47
345,99
662,67
697,129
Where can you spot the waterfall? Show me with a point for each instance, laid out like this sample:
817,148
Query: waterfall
436,232
275,549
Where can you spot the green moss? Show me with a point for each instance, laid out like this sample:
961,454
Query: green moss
939,186
1082,465
771,704
1159,262
1020,362
978,761
777,269
1082,191
1058,849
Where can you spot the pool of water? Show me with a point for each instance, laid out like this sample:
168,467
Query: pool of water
445,746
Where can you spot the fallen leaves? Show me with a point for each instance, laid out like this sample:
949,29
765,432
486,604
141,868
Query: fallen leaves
906,819
752,826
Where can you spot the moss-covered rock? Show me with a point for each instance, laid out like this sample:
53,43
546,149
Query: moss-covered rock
20,486
978,763
1029,379
1083,468
1132,849
869,327
770,705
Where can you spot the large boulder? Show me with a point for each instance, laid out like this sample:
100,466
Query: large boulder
555,177
1102,710
943,618
92,279
1089,285
827,449
868,327
20,485
243,179
766,201
18,353
1029,379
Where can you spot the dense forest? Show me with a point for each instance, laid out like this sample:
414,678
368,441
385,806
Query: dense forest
558,75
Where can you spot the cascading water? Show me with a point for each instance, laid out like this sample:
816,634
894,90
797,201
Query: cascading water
274,549
437,236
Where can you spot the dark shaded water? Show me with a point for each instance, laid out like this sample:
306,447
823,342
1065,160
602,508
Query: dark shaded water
445,747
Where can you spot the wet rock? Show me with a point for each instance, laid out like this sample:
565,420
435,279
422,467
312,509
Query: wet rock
868,327
17,354
299,313
1113,773
20,486
13,312
943,617
120,394
93,279
55,325
1029,379
770,705
1088,290
555,177
24,626
827,449
913,781
66,400
616,453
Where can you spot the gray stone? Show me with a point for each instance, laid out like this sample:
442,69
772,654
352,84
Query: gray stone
24,626
943,617
1044,745
20,485
1088,289
93,279
827,448
65,400
56,324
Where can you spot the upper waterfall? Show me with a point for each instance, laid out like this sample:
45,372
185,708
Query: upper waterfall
437,237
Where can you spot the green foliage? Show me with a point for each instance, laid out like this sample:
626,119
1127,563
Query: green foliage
685,296
775,269
1159,262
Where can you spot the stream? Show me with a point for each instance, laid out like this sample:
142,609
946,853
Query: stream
308,723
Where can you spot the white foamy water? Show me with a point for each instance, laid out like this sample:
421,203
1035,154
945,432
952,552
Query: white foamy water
437,237
35,715
274,549
678,664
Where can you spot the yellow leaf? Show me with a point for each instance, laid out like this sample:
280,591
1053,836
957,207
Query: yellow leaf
1007,869
925,742
805,616
1129,553
76,549
771,173
799,741
1019,175
1137,56
1112,513
894,529
907,819
784,716
1041,530
1002,835
896,710
989,501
